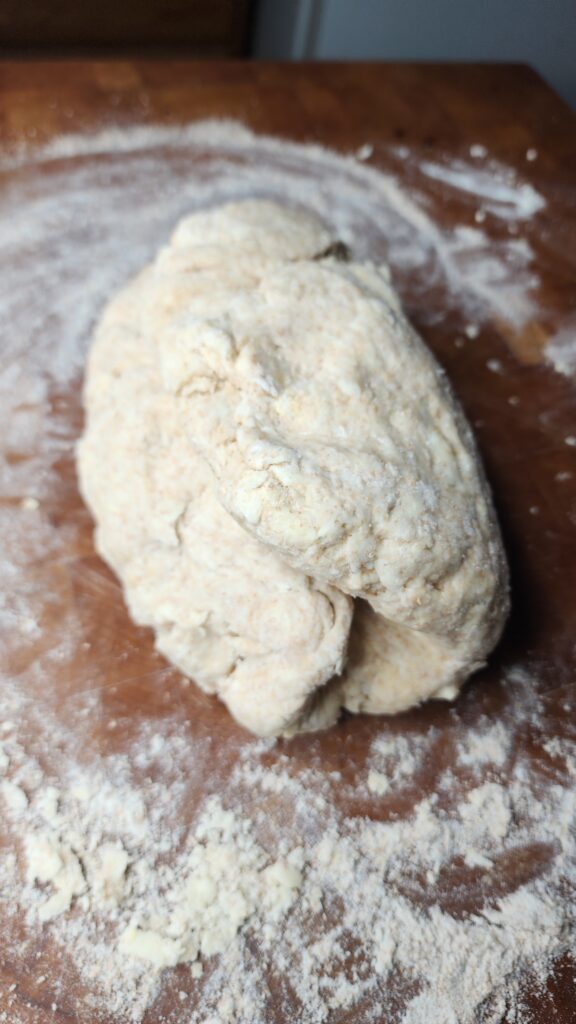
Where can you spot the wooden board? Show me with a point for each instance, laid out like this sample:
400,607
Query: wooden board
204,28
437,110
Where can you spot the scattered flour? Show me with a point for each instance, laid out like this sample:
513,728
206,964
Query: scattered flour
491,745
378,782
284,887
365,152
175,170
339,908
496,187
561,350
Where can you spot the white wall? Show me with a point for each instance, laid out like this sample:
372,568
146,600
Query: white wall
537,32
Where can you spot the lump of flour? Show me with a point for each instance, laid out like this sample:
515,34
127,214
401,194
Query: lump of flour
267,438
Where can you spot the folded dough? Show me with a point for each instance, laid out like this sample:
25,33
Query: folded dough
267,435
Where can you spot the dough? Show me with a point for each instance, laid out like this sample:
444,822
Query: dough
268,438
389,665
253,231
226,610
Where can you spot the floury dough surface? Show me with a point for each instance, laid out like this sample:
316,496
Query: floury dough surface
226,610
267,438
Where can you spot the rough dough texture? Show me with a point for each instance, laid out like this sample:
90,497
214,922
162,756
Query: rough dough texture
266,435
389,664
226,610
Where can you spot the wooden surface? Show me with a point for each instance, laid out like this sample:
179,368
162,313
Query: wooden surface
507,107
199,28
434,109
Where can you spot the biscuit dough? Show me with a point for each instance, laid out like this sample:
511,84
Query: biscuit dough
267,439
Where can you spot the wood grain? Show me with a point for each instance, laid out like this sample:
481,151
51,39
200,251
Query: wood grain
435,110
201,28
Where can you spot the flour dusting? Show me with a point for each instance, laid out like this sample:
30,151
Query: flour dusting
495,187
561,350
108,865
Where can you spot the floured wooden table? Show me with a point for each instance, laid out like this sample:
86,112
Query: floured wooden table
415,869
